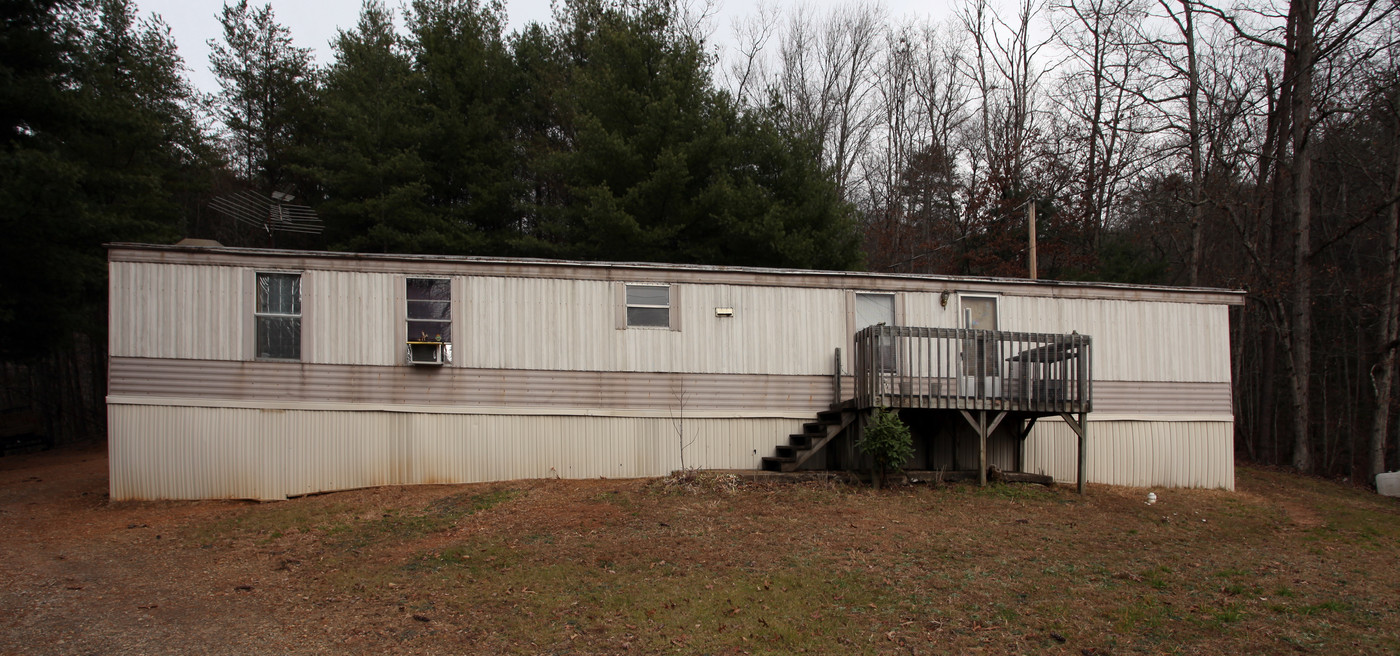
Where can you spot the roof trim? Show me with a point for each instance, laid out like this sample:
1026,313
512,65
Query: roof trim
658,272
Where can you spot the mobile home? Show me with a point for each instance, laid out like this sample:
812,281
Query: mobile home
258,373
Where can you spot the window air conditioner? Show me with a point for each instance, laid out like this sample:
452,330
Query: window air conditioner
426,353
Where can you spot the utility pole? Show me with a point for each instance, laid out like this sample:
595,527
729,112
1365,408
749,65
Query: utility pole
1030,220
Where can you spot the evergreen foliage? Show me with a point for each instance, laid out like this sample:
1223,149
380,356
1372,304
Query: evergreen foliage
659,165
600,136
101,144
265,100
365,157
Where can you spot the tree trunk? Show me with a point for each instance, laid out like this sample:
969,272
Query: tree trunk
1193,116
1301,328
1390,321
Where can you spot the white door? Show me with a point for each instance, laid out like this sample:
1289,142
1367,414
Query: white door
981,356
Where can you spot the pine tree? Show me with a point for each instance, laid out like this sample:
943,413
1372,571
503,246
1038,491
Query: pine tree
101,145
468,87
366,158
661,166
264,100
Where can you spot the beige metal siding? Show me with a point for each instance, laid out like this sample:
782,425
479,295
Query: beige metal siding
273,383
923,309
161,452
1135,340
202,312
168,311
545,323
1138,453
353,318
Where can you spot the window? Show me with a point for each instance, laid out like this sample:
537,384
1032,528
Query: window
649,306
872,309
429,315
278,316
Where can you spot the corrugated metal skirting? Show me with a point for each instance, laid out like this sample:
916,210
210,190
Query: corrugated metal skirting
161,452
1138,453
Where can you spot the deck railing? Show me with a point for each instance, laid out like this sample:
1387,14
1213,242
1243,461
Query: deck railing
957,368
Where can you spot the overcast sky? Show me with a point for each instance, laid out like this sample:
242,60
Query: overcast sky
313,23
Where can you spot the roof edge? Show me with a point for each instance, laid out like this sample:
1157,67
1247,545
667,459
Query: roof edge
1199,294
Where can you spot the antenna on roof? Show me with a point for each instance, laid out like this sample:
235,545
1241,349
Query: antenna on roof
273,214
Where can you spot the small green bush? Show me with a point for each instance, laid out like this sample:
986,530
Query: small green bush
888,443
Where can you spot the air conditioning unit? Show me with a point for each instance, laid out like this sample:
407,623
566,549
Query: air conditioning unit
429,353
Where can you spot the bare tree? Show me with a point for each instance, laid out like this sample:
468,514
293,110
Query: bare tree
1313,35
685,432
1007,78
827,81
1103,88
747,73
1382,372
915,187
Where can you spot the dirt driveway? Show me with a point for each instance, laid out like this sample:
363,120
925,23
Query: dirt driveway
87,577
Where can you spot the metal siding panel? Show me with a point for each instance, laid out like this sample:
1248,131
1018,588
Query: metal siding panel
184,311
286,383
168,311
1138,453
448,265
187,453
1135,340
923,309
353,316
570,325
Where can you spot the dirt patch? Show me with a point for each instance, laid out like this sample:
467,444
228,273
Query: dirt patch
1282,491
693,565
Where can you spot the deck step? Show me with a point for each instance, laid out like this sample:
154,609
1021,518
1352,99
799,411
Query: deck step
776,463
805,440
829,416
814,437
790,450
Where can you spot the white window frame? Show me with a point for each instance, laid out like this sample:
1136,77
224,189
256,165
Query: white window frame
996,307
991,361
444,346
669,306
887,360
259,313
894,305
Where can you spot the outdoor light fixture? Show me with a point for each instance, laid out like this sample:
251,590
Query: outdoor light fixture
943,298
724,312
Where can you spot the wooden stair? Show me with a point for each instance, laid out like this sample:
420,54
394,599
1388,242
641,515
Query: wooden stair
814,437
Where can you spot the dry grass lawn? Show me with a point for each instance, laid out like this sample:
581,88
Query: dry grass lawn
700,566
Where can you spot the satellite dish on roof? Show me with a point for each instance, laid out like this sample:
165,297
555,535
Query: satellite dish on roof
273,213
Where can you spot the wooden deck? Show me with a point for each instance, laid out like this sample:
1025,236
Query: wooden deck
961,369
987,377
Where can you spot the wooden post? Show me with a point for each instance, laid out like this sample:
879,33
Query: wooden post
836,378
982,448
1083,451
1030,219
1021,431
